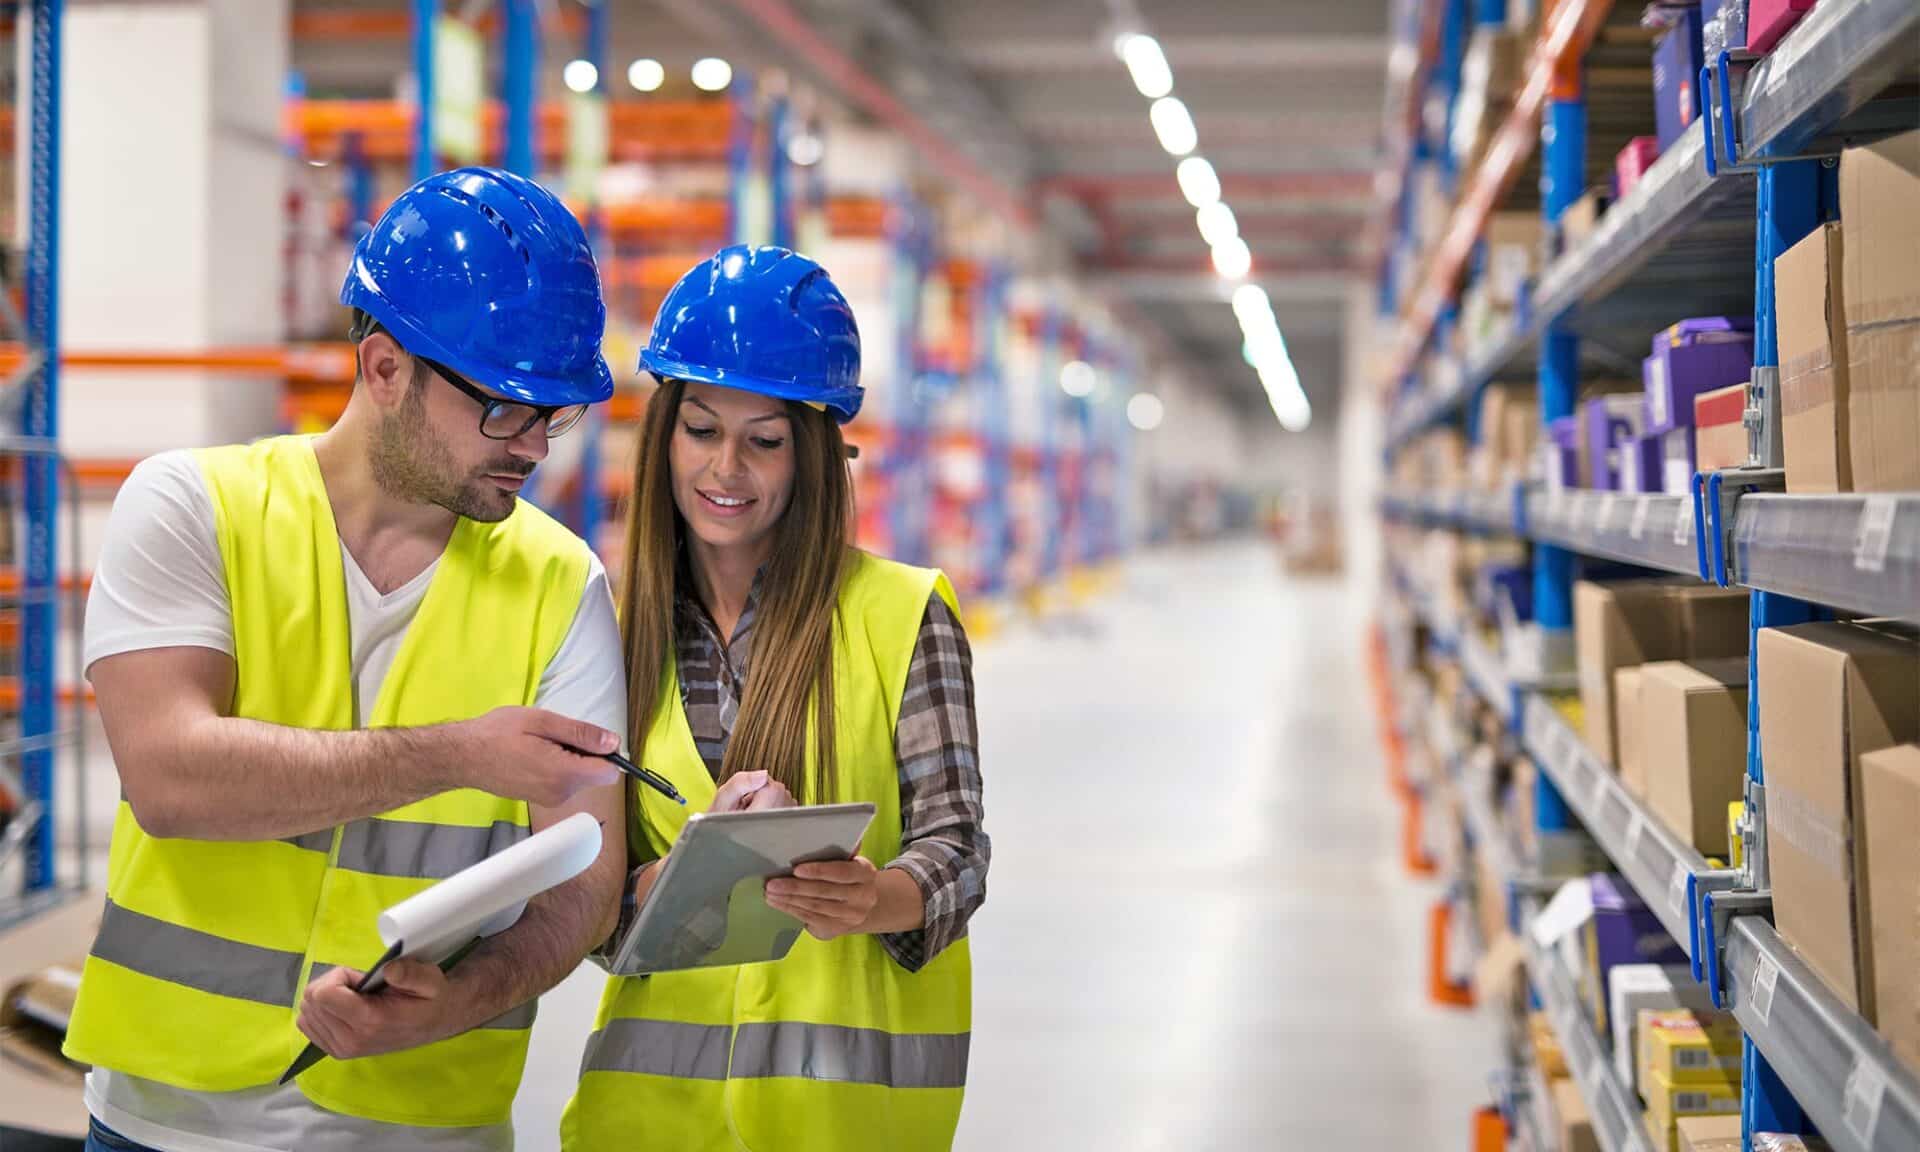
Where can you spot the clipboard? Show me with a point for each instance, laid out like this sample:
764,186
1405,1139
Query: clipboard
708,908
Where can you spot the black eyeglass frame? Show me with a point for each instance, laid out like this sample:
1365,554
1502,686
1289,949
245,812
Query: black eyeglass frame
560,418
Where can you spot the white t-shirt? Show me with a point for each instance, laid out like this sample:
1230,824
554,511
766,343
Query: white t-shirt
161,583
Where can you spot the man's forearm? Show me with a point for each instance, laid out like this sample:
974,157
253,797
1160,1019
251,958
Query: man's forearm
234,779
553,935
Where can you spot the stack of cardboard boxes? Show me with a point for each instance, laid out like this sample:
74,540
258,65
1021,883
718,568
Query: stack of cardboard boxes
1848,302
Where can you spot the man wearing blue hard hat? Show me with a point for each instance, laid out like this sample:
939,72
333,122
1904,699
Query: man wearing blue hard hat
334,670
771,662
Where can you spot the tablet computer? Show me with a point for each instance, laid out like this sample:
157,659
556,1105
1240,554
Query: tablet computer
708,907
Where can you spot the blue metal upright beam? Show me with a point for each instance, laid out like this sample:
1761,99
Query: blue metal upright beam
40,417
592,506
522,59
425,12
780,172
1563,181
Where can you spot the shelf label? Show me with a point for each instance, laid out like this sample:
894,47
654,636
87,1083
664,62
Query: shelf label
1636,831
1866,1090
1677,891
1603,523
1598,799
1596,1079
1875,534
1637,527
1683,524
1582,510
1766,977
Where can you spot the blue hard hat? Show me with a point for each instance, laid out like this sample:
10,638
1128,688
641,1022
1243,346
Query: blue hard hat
763,320
490,274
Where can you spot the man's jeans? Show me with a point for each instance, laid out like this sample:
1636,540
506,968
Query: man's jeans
101,1138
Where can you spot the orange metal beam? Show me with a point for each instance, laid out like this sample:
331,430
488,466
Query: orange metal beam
330,363
361,24
1564,39
636,129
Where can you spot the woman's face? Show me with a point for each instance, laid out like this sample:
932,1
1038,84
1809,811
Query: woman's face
732,459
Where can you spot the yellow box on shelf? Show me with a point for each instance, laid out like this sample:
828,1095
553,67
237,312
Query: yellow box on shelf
1689,1047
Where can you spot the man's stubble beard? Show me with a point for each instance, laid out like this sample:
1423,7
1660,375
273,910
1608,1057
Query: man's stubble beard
410,462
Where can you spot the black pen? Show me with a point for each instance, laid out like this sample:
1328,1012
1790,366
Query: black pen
652,780
372,980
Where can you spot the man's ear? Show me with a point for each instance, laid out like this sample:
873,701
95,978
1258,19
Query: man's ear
385,369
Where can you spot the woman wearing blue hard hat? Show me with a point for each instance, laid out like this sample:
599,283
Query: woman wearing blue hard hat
335,669
770,662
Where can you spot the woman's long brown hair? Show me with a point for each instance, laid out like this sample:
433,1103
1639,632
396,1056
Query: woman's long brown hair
790,677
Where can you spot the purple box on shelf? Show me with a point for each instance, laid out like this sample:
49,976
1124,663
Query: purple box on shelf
1505,582
1623,931
1641,462
1676,72
1692,357
1609,421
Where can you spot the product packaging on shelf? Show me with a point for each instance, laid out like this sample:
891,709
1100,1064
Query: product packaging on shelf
1890,796
1630,754
1669,1103
1638,988
1695,716
1719,429
1633,161
1831,694
1606,422
1687,1047
1879,186
1812,326
1640,464
1696,355
1629,623
1623,930
1676,69
1769,20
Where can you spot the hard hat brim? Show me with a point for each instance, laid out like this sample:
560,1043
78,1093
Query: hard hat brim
844,403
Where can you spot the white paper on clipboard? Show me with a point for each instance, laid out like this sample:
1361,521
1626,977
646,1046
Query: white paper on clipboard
488,898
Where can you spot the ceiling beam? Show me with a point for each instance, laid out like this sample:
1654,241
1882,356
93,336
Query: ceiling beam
1188,285
1132,127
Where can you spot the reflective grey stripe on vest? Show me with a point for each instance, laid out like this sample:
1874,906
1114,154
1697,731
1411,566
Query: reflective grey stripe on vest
856,1055
807,1051
198,960
321,841
659,1048
520,1018
422,851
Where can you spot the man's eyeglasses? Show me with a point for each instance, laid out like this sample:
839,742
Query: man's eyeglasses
506,419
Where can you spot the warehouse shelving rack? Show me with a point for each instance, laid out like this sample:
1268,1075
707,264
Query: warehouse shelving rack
1697,236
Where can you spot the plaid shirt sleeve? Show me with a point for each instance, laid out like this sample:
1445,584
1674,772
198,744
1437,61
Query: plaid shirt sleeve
944,844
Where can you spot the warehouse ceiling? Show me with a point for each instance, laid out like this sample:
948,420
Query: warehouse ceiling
1030,98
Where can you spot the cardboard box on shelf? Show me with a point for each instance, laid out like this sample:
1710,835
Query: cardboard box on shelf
1812,327
1694,718
1513,241
1623,625
1833,693
1668,1103
1719,429
1879,185
1626,711
1547,1053
1637,988
1709,1133
1582,217
1890,797
1576,1123
1684,1047
1695,356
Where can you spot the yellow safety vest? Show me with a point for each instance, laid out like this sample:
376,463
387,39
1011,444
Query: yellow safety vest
836,1048
206,946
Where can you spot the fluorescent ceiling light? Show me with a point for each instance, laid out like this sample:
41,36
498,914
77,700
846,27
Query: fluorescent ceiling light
1232,259
580,75
646,75
1173,124
806,149
712,74
1077,378
1250,303
1145,411
1199,183
1217,223
1147,65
